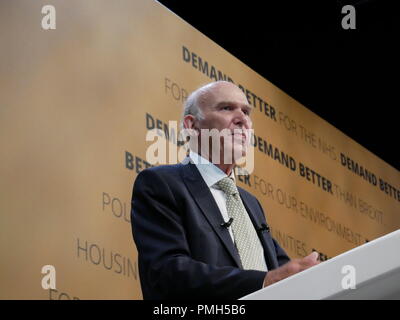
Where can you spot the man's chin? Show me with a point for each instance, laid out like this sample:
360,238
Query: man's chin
239,152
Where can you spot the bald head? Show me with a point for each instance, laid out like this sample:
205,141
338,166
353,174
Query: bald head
199,98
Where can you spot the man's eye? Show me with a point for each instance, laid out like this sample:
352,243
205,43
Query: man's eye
227,108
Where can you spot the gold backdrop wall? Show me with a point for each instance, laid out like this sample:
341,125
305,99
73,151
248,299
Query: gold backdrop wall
75,106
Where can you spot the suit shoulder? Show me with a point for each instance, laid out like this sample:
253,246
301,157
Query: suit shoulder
162,171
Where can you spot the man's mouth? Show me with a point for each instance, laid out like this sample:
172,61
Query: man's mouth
240,135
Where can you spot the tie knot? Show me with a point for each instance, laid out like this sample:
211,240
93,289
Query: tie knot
228,186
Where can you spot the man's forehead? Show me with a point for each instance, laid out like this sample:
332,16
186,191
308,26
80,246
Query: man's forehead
227,92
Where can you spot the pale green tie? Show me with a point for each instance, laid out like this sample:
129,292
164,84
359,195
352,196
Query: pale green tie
248,244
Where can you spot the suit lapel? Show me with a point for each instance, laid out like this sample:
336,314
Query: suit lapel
205,200
265,239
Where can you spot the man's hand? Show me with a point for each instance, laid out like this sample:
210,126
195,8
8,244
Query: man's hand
291,268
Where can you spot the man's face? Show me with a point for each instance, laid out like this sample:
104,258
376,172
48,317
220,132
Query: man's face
225,108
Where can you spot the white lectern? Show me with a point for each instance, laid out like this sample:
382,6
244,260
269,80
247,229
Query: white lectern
374,267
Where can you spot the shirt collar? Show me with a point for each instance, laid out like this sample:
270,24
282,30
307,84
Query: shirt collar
209,171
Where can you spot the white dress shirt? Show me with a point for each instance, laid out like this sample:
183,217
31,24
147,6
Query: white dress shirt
211,175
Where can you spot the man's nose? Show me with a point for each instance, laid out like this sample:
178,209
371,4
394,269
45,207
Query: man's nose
241,119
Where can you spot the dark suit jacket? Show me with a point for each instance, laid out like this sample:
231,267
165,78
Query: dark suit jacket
184,253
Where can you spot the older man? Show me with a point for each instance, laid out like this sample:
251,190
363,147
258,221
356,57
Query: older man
198,235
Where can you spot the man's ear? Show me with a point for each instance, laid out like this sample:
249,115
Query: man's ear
189,122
